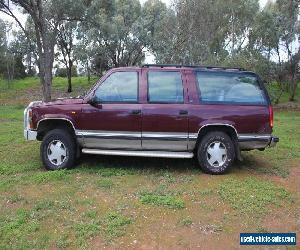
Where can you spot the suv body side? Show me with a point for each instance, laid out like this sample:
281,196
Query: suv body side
142,123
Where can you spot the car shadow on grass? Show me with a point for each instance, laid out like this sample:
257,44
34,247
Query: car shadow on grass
93,163
144,165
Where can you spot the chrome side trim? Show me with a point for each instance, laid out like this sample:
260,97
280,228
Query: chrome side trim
253,137
110,139
165,136
160,154
109,134
253,141
134,135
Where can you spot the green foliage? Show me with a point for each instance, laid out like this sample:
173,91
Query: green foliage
252,196
62,72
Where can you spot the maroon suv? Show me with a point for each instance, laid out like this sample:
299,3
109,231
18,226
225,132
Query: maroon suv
157,111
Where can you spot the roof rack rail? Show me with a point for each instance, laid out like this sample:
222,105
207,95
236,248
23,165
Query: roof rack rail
192,66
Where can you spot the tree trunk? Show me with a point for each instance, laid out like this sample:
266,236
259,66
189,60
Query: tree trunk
69,75
46,75
88,72
46,80
293,88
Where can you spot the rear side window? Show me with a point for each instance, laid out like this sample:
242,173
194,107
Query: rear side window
165,87
223,87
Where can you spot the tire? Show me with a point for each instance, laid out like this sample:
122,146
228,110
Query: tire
216,153
58,150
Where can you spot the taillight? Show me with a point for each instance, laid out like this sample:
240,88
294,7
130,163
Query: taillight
271,116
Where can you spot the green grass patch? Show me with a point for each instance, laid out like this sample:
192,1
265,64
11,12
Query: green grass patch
12,113
49,176
105,183
115,224
252,196
111,226
166,200
186,222
20,226
86,230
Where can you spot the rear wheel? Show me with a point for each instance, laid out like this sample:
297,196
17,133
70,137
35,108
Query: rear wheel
58,150
215,153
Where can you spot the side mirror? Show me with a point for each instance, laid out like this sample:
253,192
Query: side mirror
93,101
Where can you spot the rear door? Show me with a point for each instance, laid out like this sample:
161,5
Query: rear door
165,116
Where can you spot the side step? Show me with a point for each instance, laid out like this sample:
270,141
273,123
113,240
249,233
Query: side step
160,154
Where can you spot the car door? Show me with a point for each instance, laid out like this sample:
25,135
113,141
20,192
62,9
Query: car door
113,120
165,116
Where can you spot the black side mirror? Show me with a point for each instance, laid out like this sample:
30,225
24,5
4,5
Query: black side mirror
93,101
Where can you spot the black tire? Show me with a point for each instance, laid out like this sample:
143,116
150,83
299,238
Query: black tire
67,144
209,142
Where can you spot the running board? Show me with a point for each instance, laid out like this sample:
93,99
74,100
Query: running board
160,154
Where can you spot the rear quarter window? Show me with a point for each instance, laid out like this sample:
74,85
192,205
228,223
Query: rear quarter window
230,87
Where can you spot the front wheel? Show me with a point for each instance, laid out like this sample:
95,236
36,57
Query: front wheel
215,153
58,150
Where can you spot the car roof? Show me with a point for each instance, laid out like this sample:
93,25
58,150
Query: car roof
194,67
179,66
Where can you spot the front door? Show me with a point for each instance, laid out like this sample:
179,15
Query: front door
165,117
114,120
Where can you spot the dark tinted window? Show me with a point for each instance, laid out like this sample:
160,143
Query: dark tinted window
230,87
165,87
119,87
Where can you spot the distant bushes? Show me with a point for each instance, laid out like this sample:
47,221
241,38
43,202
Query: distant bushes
62,72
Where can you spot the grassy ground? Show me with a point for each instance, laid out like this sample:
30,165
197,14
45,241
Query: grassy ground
126,203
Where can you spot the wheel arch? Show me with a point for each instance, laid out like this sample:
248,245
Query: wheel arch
47,124
229,129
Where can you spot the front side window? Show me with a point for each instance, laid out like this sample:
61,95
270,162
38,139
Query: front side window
230,87
119,87
165,87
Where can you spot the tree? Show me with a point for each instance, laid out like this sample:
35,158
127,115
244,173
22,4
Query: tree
47,15
66,37
116,32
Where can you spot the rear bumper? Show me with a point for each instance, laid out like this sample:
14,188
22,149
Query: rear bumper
30,135
253,141
274,141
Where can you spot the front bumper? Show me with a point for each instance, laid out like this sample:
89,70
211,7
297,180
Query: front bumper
255,141
30,135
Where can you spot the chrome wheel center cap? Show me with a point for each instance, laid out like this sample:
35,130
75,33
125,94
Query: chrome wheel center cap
56,152
216,154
